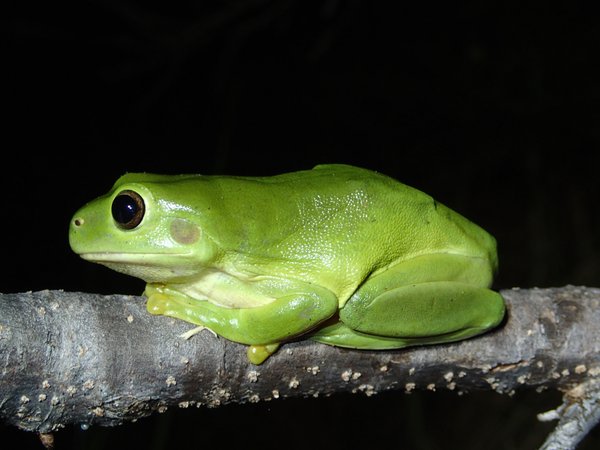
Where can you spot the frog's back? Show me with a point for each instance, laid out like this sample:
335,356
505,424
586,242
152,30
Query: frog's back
337,219
408,222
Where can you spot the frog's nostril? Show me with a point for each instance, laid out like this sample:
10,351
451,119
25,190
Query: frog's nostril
78,221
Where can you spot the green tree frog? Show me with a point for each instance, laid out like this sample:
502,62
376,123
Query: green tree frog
339,254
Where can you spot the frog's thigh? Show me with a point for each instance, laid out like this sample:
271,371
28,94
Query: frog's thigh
448,309
427,313
415,301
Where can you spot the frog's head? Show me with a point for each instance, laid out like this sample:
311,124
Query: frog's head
144,228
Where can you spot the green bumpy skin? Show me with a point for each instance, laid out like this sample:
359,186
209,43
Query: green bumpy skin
338,254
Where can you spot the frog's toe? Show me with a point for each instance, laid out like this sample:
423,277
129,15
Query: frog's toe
157,303
257,354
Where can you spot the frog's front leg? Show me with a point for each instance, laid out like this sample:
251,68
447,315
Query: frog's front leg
262,327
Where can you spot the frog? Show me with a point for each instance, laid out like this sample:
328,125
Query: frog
337,254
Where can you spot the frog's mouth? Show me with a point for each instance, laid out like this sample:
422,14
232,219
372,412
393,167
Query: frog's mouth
150,267
128,257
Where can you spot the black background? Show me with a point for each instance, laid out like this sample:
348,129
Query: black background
491,109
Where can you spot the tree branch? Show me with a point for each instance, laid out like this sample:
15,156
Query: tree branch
81,358
577,415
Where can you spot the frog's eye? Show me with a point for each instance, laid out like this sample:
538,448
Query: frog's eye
128,209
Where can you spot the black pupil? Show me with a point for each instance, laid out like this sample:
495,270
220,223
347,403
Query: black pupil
127,209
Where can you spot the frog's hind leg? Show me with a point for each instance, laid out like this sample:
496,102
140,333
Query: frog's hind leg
341,335
415,315
414,304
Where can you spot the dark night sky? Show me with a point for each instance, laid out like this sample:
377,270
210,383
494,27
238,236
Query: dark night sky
492,110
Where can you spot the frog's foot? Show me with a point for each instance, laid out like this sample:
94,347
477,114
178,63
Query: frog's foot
168,304
157,303
257,354
195,331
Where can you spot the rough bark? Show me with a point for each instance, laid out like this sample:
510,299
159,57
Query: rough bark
69,357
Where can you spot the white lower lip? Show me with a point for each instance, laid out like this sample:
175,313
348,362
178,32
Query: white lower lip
125,257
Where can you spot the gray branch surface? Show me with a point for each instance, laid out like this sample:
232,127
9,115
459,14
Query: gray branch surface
78,358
